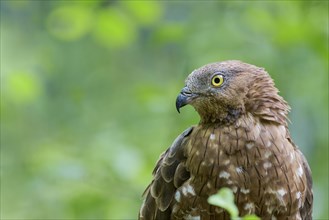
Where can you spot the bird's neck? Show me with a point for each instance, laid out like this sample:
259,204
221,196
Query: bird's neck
221,116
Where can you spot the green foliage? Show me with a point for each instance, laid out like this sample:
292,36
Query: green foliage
88,91
225,199
23,87
114,29
69,22
250,217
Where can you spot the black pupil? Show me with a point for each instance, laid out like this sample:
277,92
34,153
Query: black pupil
217,80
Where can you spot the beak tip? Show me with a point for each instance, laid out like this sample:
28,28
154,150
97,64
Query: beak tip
178,106
180,102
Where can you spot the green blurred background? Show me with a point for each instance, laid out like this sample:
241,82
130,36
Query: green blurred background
88,91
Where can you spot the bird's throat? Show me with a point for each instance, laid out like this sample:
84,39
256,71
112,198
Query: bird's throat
220,117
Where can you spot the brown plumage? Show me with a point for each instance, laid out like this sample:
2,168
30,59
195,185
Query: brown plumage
242,142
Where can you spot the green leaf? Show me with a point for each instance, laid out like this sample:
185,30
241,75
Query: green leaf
251,217
225,199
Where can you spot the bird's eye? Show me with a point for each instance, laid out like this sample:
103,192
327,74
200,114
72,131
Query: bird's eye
217,80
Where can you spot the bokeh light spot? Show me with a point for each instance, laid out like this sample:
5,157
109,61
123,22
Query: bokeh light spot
69,23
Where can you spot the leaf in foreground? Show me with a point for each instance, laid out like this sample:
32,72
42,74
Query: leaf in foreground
225,199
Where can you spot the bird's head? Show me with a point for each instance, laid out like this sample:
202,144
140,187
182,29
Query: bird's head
221,92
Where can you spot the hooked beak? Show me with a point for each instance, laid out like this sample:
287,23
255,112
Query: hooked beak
183,98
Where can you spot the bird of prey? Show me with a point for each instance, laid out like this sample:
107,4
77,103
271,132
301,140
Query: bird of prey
241,142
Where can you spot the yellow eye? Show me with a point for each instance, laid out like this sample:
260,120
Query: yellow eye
217,80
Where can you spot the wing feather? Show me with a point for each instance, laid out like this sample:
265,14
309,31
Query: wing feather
306,209
168,174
